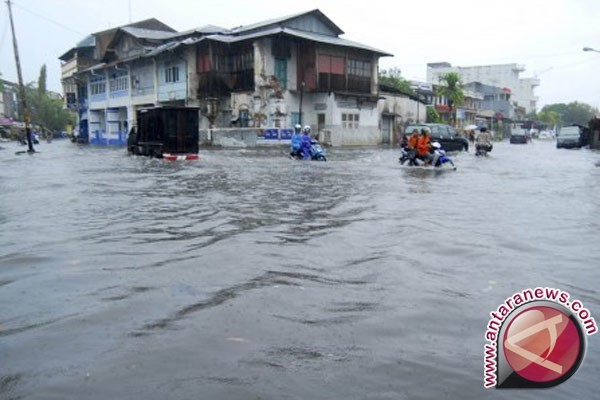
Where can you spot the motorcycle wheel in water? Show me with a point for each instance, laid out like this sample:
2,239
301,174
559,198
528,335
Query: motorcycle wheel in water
406,155
483,149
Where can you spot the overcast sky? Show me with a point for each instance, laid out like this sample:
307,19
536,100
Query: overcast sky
546,36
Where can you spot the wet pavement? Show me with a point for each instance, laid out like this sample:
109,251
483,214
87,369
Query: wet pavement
246,275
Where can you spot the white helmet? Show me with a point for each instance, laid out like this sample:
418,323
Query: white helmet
306,129
298,126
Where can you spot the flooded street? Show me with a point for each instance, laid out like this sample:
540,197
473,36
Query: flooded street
245,275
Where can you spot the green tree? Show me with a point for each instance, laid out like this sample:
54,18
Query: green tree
42,81
46,112
392,78
572,113
552,118
451,88
433,117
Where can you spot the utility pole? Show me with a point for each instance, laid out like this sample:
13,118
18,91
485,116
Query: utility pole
21,86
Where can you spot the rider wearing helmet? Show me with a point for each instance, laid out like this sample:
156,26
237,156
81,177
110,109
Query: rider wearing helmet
296,142
483,141
306,142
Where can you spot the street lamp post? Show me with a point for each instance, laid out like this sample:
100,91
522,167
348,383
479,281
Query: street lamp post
300,108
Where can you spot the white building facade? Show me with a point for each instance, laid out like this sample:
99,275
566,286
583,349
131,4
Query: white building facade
498,75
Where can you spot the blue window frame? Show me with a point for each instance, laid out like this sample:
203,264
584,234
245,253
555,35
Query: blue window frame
281,71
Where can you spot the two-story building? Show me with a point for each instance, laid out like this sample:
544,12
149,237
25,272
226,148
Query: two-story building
97,86
274,74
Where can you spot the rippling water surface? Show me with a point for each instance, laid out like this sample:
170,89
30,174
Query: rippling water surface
246,275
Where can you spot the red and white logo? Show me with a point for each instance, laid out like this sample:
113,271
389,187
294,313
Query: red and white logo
542,344
536,339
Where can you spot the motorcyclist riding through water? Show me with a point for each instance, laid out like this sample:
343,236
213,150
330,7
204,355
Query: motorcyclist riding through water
296,142
424,147
306,142
483,143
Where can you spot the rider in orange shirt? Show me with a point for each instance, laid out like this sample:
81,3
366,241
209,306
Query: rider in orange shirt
413,140
424,146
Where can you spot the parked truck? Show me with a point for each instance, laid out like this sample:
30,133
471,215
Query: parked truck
165,132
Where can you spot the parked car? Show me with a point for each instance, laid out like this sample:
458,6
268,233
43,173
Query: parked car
574,136
446,135
519,137
546,135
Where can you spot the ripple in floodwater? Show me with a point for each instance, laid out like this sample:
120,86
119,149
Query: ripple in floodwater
248,275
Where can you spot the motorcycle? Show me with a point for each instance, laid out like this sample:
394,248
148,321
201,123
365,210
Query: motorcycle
407,154
440,159
483,149
316,152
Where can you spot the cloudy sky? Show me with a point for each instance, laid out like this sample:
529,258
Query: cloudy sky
546,36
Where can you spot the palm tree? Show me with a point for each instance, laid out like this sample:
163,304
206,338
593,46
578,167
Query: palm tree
550,117
452,89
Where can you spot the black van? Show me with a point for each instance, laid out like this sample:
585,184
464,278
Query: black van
165,132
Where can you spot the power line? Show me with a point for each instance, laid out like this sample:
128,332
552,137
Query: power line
49,20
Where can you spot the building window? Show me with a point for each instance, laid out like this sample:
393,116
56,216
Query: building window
97,85
172,74
350,121
118,83
360,68
281,72
359,75
204,62
331,72
296,118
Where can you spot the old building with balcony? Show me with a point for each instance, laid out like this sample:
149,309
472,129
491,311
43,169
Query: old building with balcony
267,76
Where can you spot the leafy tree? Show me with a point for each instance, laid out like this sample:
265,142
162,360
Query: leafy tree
433,117
46,112
451,88
572,113
42,81
552,118
392,78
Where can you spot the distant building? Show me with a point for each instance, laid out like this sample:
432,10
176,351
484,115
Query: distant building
499,75
8,100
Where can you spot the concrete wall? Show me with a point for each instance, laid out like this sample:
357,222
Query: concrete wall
230,137
355,137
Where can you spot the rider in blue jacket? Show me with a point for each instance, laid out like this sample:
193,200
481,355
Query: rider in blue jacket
306,142
296,142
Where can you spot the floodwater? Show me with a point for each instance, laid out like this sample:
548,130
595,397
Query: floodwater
245,275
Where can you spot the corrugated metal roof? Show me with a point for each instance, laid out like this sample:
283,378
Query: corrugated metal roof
204,30
163,47
274,21
148,33
88,41
336,41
